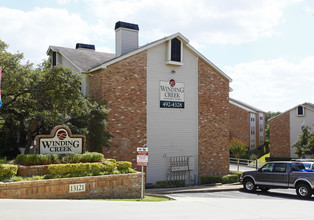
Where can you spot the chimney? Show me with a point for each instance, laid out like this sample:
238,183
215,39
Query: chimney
126,37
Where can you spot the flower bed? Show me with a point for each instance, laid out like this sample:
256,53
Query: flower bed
69,180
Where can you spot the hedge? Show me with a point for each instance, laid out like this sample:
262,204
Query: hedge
211,179
230,178
44,159
95,168
7,171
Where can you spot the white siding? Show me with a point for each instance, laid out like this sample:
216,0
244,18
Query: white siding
296,123
171,132
126,41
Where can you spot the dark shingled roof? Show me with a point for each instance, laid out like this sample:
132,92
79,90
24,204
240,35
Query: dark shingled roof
83,58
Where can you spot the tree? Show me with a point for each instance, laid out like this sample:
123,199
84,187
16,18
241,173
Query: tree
305,144
238,148
45,97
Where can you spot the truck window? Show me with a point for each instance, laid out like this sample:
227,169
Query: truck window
297,166
268,167
307,165
280,167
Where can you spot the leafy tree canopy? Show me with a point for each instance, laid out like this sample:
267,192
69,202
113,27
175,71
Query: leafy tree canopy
238,148
34,100
305,144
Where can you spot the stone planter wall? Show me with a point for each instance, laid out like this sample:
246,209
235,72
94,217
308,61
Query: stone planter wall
108,186
27,171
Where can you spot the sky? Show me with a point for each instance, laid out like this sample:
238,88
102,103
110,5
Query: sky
265,46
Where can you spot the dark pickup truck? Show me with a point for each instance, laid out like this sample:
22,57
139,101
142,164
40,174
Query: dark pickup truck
280,174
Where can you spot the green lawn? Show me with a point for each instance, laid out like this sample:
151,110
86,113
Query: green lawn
261,161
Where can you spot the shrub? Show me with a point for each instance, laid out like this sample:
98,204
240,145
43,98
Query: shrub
59,169
122,165
116,172
211,179
43,159
231,178
109,166
97,167
112,160
97,157
128,170
7,171
71,158
236,173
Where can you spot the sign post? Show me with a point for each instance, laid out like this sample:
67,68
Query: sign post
142,160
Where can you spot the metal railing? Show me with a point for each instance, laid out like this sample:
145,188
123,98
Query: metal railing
243,162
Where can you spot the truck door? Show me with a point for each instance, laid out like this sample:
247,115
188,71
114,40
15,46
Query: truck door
274,174
280,175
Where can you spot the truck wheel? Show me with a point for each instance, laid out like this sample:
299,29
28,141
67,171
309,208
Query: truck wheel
249,185
304,191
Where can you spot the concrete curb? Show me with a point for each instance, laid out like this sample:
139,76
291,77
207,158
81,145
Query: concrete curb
196,189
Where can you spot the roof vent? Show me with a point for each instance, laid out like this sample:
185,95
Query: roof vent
85,46
126,37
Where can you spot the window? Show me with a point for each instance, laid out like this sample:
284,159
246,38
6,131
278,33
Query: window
297,166
175,49
268,167
300,110
54,58
280,168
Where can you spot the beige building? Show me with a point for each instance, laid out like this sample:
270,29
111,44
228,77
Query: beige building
285,129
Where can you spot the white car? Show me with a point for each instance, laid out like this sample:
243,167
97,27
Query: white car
308,165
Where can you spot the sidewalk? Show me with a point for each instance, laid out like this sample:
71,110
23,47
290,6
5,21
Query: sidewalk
195,189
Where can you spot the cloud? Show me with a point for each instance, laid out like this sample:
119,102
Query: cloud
33,31
273,85
213,22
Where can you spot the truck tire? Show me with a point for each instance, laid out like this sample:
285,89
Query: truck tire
249,185
304,191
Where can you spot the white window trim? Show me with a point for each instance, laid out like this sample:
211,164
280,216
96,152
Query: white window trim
297,111
171,62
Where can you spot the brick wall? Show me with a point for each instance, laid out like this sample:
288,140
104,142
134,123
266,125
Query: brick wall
213,119
27,171
123,85
110,186
239,124
279,134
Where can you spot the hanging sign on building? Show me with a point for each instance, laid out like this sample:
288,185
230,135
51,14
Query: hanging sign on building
171,94
142,157
60,141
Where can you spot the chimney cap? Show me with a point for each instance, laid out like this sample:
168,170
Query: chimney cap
126,25
86,46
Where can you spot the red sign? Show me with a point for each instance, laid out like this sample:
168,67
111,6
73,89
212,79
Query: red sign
142,156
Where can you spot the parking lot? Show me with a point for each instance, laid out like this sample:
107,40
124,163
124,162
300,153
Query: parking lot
277,204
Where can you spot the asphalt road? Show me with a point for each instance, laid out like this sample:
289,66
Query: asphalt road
219,205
